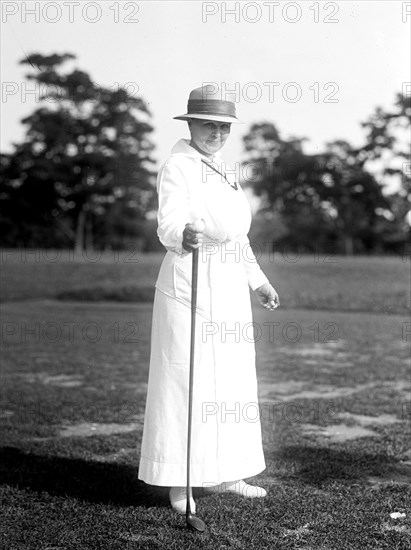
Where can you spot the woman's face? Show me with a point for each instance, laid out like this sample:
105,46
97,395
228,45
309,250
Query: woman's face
208,136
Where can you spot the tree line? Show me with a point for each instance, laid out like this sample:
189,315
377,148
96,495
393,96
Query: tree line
83,177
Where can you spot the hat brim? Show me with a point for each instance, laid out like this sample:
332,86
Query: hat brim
217,118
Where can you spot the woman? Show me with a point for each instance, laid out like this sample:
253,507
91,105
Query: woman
195,186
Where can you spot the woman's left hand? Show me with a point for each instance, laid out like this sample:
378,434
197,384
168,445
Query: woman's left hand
267,296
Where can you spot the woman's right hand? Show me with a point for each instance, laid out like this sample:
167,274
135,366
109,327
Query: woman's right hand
193,235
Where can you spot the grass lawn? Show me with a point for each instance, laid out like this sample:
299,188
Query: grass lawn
380,284
334,388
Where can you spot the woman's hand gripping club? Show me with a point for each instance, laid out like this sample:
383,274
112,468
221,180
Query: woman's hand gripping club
193,234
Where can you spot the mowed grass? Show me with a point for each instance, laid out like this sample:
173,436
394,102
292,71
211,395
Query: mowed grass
334,391
380,284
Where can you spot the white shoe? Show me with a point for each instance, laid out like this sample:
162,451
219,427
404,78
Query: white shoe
178,499
239,488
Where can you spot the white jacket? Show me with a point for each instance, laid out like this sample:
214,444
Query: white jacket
189,189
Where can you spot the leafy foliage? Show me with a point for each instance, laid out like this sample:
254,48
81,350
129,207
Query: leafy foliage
331,201
86,157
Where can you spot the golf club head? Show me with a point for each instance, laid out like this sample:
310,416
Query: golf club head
193,522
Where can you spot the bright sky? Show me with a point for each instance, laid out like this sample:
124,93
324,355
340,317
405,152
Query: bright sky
360,59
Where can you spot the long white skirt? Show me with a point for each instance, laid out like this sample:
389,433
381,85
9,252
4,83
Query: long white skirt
226,431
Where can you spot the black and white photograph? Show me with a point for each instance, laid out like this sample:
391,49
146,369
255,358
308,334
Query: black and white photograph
205,268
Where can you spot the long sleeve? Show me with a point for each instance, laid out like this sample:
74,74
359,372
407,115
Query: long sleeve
181,203
255,274
173,207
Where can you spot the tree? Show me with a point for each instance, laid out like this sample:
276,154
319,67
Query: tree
86,149
325,201
386,153
355,197
288,183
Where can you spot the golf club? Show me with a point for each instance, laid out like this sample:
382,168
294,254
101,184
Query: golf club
193,522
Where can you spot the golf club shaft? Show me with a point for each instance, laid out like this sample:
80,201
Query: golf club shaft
192,348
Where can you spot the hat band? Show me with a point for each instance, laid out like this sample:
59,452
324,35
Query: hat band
214,107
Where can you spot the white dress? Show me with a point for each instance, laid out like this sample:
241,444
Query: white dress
226,430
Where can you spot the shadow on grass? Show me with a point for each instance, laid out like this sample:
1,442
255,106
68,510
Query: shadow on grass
320,465
118,484
97,482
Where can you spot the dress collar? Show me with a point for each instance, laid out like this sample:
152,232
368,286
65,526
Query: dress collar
183,147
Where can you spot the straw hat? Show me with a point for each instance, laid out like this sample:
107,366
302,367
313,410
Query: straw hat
205,105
